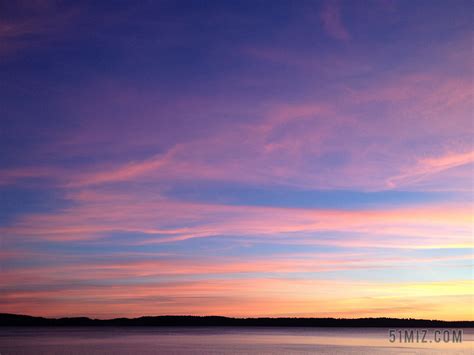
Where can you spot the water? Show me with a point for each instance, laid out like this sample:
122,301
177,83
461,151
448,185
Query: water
215,340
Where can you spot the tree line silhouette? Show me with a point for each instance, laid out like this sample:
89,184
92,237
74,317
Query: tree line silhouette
7,319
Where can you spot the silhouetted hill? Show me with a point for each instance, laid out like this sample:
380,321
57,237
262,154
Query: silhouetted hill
211,321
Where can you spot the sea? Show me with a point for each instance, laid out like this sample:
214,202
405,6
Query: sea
231,340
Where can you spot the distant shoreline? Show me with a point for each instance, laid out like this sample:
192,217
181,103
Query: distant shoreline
7,319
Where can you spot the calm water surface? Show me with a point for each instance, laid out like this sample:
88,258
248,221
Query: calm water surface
216,341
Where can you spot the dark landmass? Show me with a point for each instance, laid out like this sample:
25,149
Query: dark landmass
10,320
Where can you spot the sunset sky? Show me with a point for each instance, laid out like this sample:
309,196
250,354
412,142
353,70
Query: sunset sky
237,158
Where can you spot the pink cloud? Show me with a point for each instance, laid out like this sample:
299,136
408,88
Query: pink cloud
426,167
114,270
269,153
372,151
163,220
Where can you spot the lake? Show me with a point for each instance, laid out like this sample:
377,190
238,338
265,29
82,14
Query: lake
215,340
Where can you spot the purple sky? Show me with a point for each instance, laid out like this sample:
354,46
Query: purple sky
241,158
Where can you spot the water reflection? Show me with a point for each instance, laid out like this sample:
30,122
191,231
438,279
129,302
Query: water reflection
218,341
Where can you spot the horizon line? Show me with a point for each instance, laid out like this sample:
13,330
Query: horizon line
2,314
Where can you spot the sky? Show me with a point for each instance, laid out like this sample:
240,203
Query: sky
237,158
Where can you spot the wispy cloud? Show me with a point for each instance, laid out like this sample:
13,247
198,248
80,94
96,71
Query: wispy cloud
430,166
331,19
27,24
